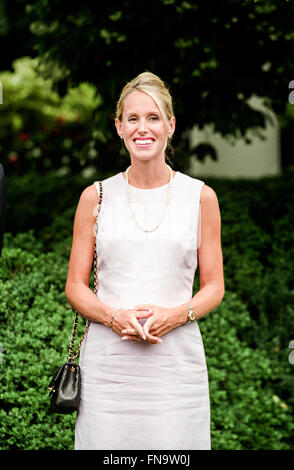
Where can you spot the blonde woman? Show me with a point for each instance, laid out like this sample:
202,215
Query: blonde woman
144,375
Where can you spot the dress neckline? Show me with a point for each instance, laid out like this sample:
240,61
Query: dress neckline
148,189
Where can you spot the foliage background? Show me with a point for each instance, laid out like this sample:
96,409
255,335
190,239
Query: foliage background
214,57
246,338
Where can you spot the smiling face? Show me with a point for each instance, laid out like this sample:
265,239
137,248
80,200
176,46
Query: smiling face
143,127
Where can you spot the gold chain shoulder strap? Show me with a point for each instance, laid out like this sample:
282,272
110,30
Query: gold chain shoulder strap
72,358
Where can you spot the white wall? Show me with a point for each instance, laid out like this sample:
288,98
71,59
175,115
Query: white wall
258,159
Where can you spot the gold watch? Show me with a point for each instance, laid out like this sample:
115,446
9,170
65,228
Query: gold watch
191,313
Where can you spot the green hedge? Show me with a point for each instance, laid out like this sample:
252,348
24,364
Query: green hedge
36,324
246,338
34,341
246,412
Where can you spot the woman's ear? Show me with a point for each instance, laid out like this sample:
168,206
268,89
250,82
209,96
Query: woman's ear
172,126
118,127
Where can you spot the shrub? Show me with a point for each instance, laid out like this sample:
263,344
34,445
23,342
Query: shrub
36,324
41,131
246,412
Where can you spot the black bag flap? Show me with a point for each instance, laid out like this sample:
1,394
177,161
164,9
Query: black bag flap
56,378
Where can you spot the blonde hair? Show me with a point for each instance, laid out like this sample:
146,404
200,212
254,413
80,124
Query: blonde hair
153,86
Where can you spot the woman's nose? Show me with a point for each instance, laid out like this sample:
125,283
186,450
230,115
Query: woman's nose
142,126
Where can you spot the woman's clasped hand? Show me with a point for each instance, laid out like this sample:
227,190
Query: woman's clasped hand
160,320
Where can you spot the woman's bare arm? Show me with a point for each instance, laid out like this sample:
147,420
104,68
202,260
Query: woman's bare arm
77,289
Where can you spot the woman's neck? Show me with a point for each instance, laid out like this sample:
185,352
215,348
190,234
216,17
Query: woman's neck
148,178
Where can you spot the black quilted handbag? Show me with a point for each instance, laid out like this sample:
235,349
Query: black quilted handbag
65,386
65,389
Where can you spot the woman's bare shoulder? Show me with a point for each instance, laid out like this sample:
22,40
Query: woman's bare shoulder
89,197
88,202
208,195
89,194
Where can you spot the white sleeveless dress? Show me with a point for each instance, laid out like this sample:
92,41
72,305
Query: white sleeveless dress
141,395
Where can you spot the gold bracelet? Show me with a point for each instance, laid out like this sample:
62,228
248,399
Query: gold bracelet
115,311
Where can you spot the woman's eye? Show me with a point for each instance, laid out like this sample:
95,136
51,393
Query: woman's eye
152,118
